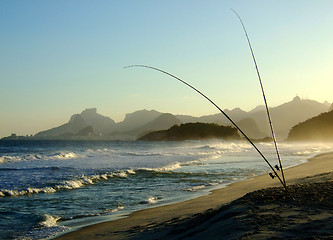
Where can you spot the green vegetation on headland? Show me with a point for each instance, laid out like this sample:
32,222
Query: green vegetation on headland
193,131
319,128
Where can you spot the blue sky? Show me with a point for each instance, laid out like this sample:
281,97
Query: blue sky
60,57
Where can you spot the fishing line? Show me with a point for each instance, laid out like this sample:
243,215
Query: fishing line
263,94
233,123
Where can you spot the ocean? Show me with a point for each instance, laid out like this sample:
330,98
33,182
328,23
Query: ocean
50,187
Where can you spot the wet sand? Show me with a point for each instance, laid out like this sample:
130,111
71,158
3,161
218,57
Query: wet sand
254,209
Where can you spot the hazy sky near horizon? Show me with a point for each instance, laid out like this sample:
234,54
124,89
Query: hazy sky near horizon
61,57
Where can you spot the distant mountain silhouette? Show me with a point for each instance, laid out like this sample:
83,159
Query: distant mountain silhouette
136,119
100,123
162,122
85,132
75,124
250,128
88,118
284,117
319,128
257,109
254,122
193,131
327,104
331,108
236,114
287,115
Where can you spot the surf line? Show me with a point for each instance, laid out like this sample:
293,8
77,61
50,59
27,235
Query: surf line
264,97
226,115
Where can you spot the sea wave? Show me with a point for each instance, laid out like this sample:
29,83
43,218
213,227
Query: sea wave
303,153
166,168
49,221
117,209
151,200
208,147
176,165
145,154
200,187
47,228
84,180
76,183
195,188
221,148
39,156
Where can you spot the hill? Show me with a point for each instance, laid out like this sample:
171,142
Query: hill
287,115
331,108
75,124
251,129
319,128
162,122
193,131
97,123
136,120
100,123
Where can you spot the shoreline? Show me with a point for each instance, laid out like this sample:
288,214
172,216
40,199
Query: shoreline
143,220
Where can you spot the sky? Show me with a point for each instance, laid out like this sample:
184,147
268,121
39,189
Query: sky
59,57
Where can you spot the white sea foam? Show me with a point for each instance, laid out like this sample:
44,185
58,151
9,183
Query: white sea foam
144,154
71,184
49,221
14,193
131,171
151,200
193,163
68,184
166,168
8,192
40,190
68,155
302,153
32,157
195,188
9,159
117,209
206,147
120,174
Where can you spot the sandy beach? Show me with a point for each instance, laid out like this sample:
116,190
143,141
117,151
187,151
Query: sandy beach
254,209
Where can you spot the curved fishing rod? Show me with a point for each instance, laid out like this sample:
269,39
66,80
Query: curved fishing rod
247,138
263,94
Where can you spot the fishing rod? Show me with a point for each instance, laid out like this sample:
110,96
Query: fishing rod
233,123
263,94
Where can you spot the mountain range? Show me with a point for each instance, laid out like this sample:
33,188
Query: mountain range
254,123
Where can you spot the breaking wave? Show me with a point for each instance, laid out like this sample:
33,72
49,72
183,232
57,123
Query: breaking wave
49,221
150,201
166,168
67,184
117,209
175,166
39,156
200,187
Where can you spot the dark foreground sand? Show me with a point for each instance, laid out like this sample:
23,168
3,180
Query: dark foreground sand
253,209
